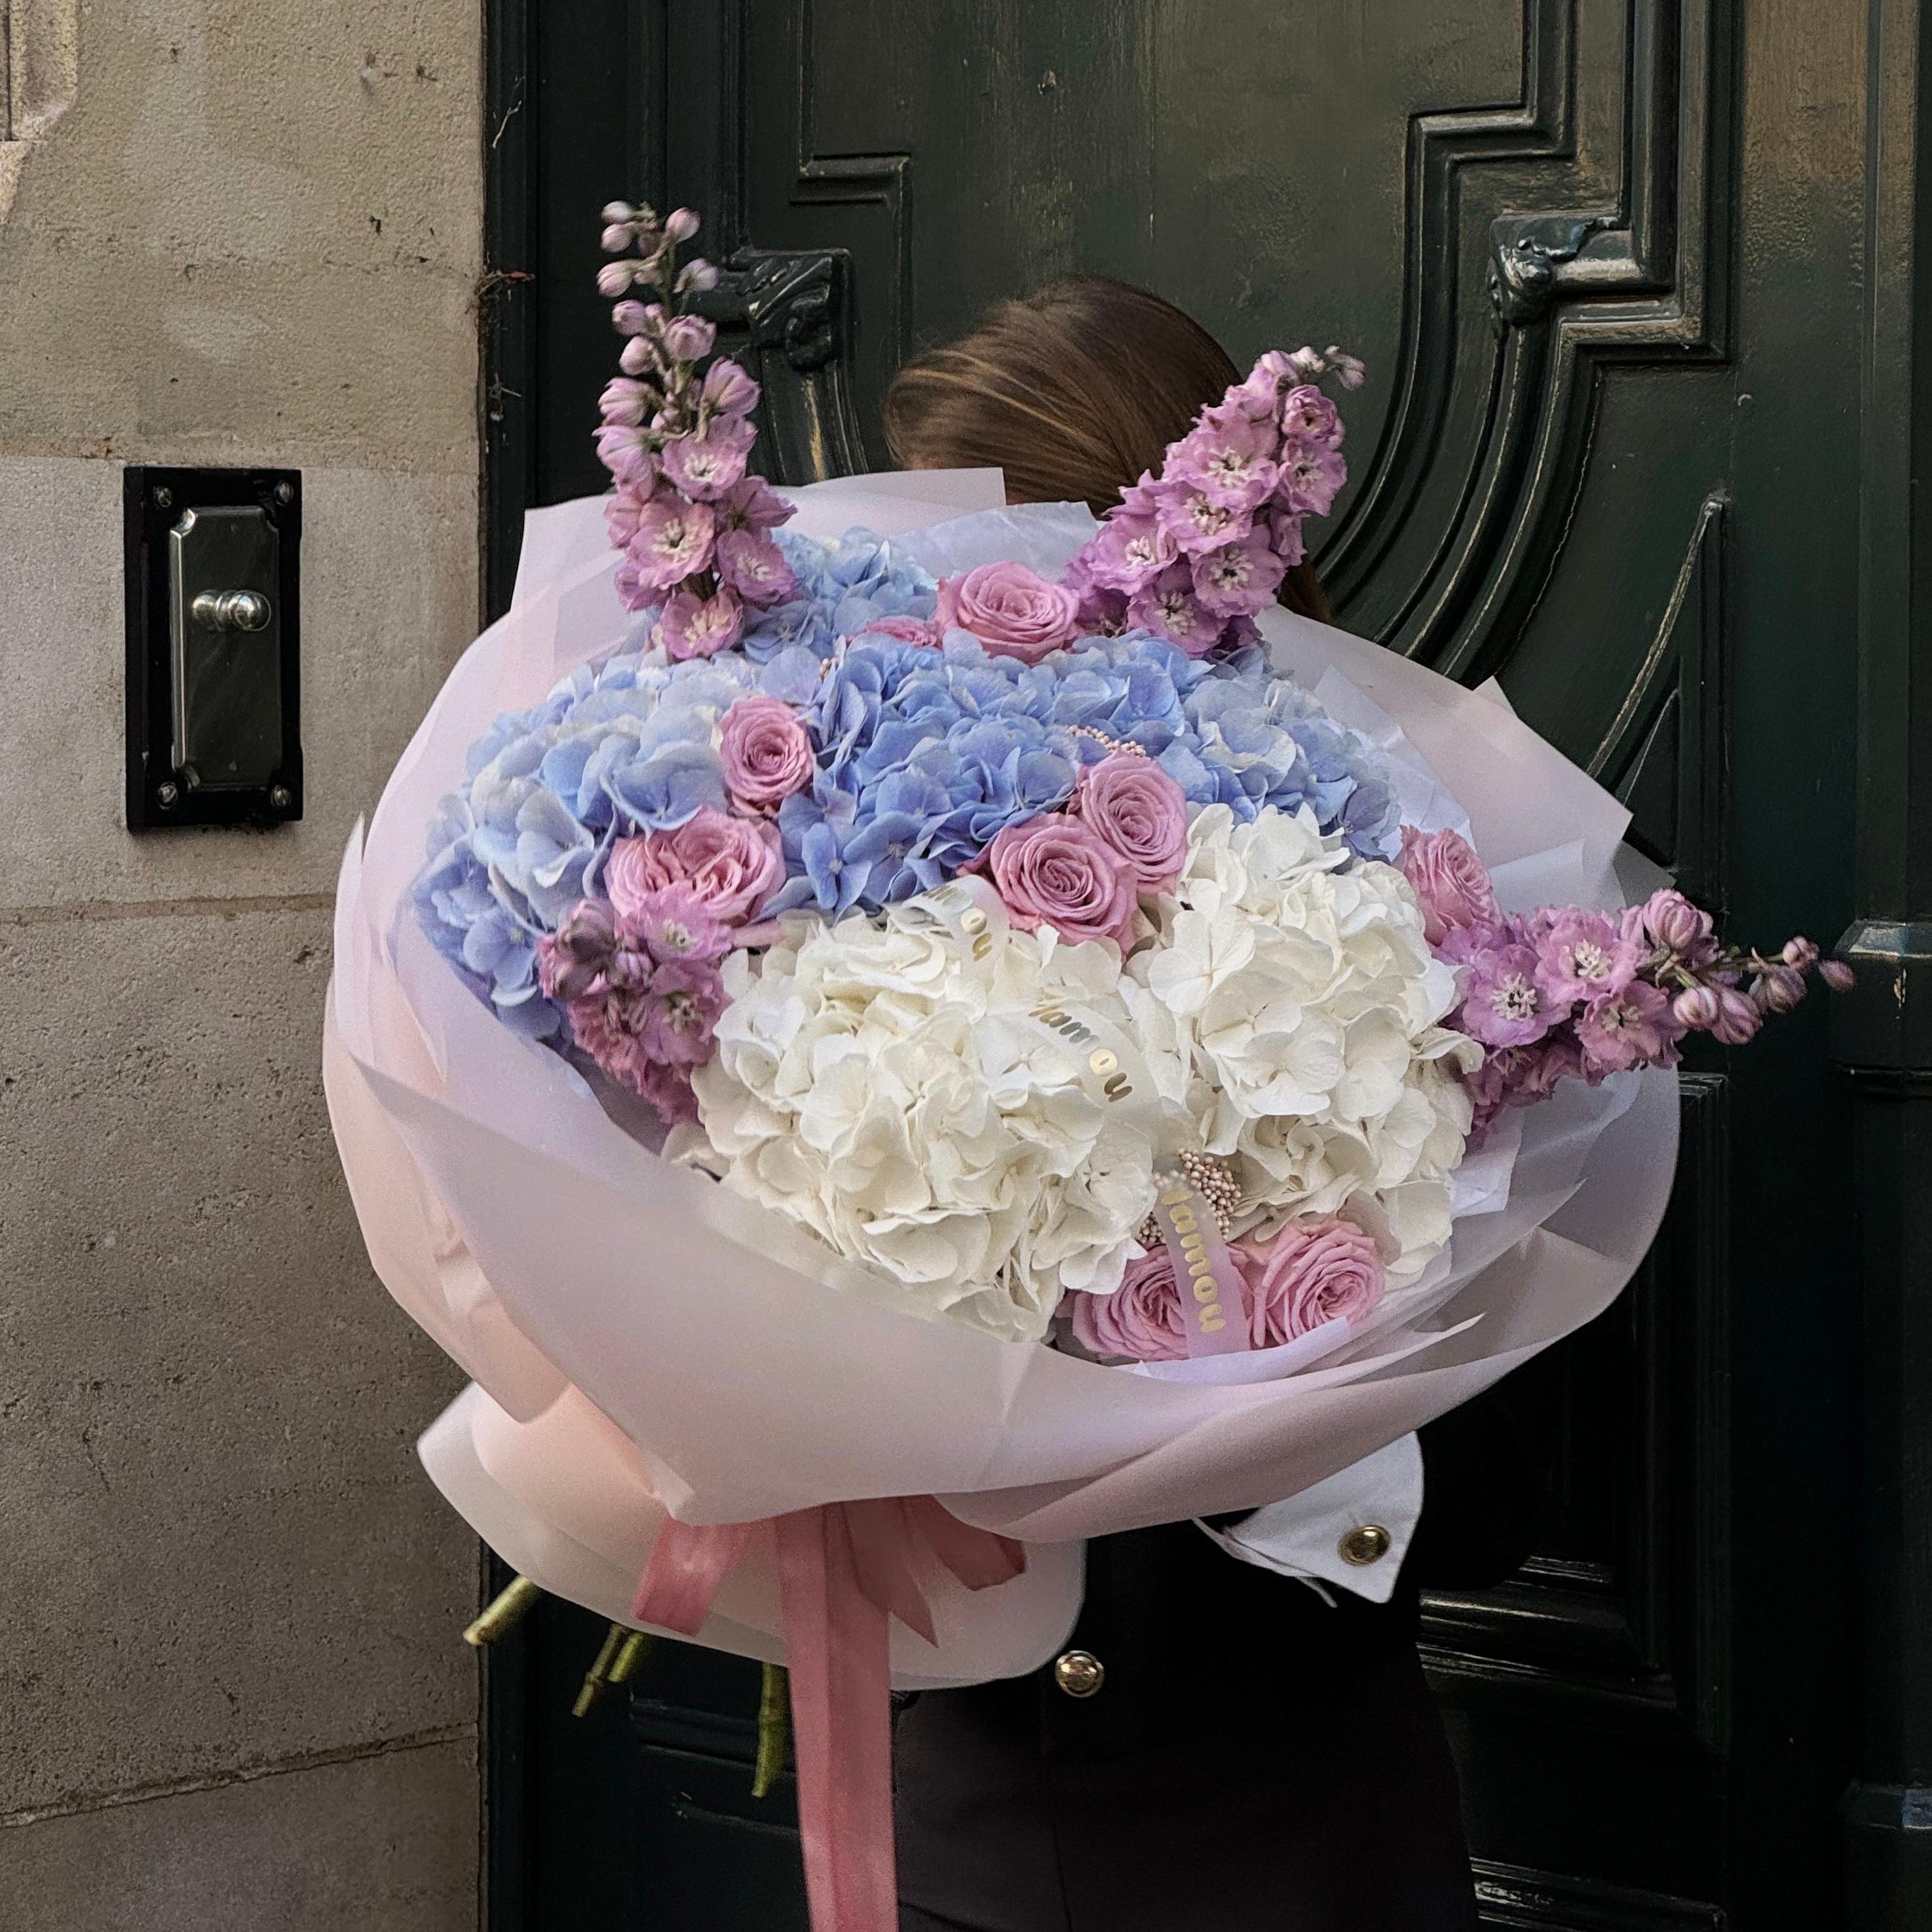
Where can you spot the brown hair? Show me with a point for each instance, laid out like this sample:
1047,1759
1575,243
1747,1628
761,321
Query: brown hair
1073,392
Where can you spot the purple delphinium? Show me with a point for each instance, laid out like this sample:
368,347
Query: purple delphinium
1632,1027
1582,956
1193,554
642,993
690,521
1566,993
1503,1006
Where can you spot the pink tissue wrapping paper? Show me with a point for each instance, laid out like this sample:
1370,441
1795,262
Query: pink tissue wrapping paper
642,1342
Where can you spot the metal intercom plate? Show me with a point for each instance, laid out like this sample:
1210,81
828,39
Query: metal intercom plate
214,718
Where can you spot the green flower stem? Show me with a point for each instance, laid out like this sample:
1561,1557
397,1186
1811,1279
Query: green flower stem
509,1609
774,1729
638,1644
599,1676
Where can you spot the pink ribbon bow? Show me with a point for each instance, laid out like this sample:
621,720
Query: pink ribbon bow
842,1570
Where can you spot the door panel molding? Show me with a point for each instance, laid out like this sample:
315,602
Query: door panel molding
1522,1900
1485,450
1634,1638
1667,752
1628,1631
883,181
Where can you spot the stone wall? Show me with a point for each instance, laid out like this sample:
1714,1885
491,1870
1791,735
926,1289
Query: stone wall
232,1690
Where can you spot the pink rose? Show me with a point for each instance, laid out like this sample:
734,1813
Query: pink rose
1140,811
1313,1271
1449,879
1058,871
765,753
1140,1319
1013,612
732,864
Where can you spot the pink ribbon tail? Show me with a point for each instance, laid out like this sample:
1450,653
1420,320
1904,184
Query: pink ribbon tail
835,1639
690,1561
843,1569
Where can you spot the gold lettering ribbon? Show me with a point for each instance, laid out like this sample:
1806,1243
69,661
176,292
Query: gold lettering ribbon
1112,1069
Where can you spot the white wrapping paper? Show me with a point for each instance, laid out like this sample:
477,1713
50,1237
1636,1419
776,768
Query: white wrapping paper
642,1341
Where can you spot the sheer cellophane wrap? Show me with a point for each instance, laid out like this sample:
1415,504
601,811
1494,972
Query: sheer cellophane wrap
642,1342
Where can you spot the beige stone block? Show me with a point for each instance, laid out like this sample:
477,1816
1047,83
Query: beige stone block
256,226
375,1844
389,575
221,1550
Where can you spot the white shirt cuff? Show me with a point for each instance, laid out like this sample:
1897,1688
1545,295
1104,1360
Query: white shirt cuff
1350,1530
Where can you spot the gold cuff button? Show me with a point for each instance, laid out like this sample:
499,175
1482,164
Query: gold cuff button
1078,1673
1366,1544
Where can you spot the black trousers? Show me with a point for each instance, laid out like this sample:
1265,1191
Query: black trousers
1255,1760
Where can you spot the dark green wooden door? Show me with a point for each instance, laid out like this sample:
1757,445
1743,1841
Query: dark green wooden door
1634,400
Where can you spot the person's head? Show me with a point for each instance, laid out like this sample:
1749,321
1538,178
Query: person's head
1073,392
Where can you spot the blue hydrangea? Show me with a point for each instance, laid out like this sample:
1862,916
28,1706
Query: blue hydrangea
924,756
842,587
624,746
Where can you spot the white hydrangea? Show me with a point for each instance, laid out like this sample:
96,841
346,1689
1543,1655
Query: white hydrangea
879,1085
1290,1007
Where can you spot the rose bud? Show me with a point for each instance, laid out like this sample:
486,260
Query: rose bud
1140,811
1697,1008
765,753
1450,884
1838,975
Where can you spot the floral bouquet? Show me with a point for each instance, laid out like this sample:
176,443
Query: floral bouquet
915,1046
